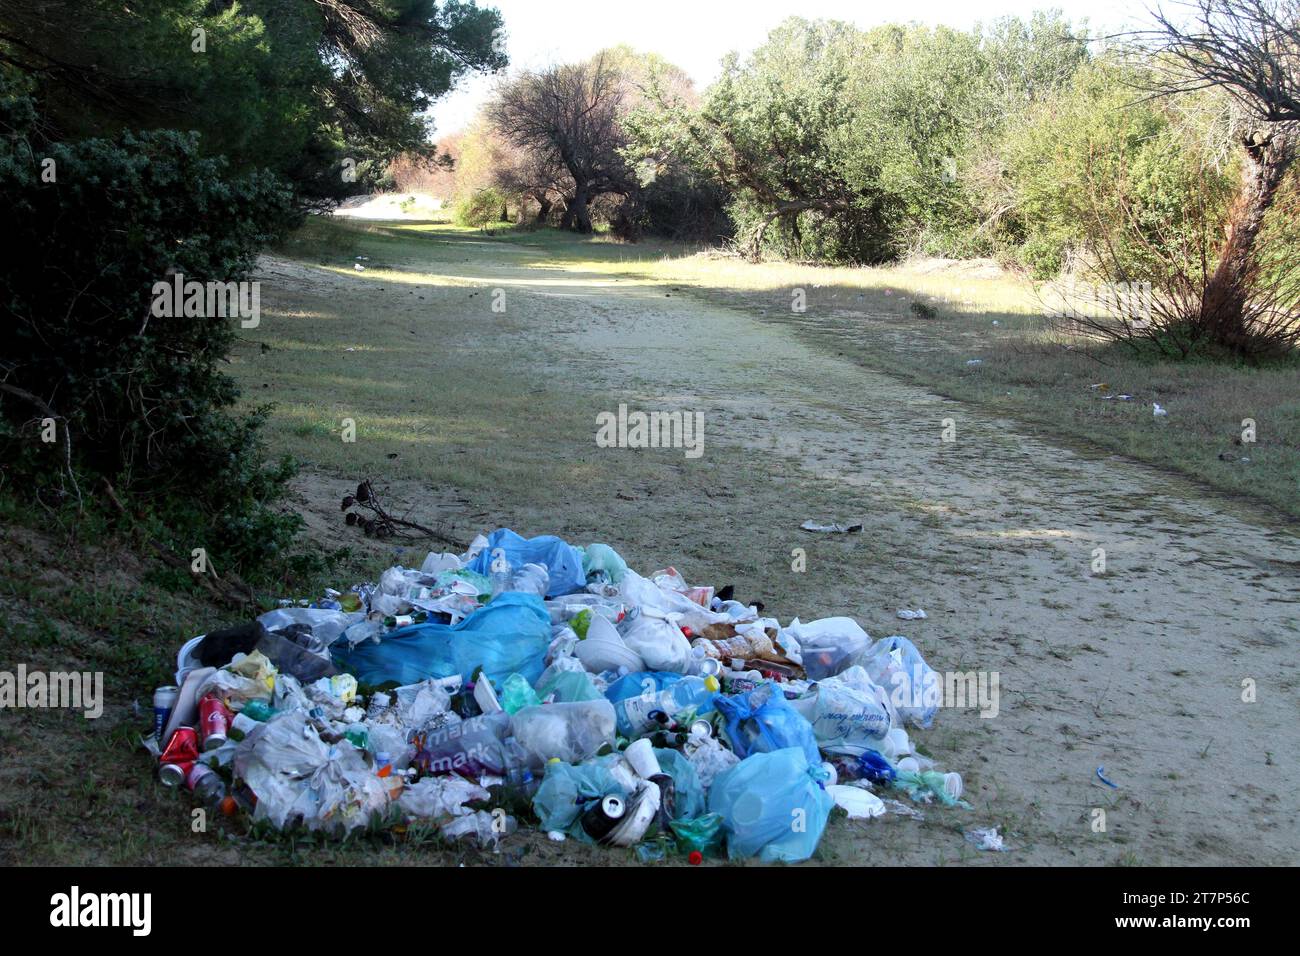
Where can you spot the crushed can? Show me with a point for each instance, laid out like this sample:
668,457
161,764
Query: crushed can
178,756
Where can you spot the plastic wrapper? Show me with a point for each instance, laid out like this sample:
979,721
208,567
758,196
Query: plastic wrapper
709,758
601,558
568,686
441,797
659,642
297,776
470,748
568,789
562,560
688,793
517,693
850,716
639,683
702,834
487,828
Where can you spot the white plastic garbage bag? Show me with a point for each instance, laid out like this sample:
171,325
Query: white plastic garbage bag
659,642
851,714
295,774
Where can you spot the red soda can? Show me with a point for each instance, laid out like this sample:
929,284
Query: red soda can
173,774
214,721
178,756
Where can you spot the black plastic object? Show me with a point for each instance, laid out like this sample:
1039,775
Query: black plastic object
218,647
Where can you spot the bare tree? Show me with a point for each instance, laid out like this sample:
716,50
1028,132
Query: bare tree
1251,50
532,175
569,115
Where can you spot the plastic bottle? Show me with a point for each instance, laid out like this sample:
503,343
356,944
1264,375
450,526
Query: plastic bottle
206,785
500,576
633,714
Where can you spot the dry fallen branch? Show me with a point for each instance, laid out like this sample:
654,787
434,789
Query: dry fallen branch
377,522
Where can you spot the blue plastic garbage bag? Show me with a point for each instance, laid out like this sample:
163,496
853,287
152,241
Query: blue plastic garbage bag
772,806
568,789
688,792
509,635
563,561
762,721
639,682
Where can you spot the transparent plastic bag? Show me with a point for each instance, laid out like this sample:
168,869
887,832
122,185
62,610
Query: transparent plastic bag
441,797
572,732
829,645
914,689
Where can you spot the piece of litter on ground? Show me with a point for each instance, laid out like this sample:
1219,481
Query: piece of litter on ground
557,836
903,810
359,267
986,838
974,361
834,528
1101,775
908,615
1158,410
858,804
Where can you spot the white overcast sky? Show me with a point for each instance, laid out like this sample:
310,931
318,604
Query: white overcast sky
696,34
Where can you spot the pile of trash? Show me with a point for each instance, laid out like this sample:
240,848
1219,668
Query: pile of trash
529,678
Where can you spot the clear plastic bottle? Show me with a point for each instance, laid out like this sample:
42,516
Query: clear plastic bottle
689,693
500,575
206,785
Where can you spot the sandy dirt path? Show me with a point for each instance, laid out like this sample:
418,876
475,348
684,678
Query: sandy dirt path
1175,668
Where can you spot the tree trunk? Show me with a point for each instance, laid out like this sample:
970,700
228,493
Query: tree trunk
543,210
576,215
1223,302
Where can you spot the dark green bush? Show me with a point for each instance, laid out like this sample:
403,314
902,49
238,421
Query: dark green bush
137,399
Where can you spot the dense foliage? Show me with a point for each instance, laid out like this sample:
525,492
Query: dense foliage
170,140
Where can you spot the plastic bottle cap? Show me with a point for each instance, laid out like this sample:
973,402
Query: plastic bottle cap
711,683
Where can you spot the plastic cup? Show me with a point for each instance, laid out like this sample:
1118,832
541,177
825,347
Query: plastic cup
952,785
641,755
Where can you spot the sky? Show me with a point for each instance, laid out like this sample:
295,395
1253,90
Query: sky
696,34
